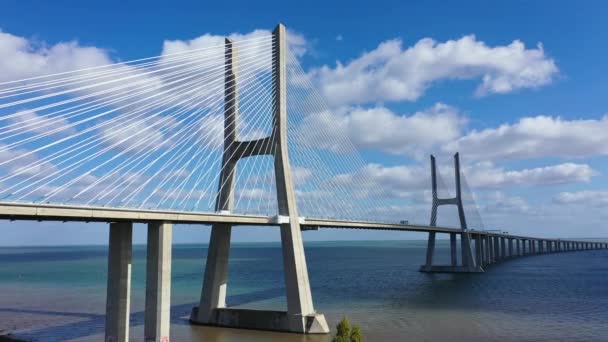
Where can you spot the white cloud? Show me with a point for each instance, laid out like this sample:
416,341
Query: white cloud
21,163
536,137
250,46
30,121
138,135
497,202
254,194
381,129
301,175
21,58
487,175
375,180
391,73
596,198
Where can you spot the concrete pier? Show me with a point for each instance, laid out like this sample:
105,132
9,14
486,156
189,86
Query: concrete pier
469,263
300,316
158,282
430,250
492,247
479,250
453,251
118,297
518,243
487,250
531,243
541,246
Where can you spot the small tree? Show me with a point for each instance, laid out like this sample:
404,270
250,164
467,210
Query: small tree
344,332
355,335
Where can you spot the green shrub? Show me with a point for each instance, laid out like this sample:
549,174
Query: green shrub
355,335
344,333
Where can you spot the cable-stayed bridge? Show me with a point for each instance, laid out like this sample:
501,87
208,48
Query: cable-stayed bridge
233,133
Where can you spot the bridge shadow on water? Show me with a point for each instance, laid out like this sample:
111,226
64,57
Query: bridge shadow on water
93,324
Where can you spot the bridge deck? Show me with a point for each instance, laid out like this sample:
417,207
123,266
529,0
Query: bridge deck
55,212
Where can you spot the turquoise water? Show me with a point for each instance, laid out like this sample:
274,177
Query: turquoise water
58,293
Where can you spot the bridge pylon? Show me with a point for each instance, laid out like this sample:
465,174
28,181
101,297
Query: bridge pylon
300,316
469,264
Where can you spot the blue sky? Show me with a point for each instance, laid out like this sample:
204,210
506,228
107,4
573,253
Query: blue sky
552,120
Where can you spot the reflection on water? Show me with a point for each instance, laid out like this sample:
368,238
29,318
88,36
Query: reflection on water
52,294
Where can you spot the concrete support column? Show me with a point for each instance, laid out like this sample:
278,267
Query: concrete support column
453,258
158,282
430,250
523,247
532,247
488,247
511,248
478,250
496,250
503,248
118,297
518,246
492,247
215,279
484,250
541,246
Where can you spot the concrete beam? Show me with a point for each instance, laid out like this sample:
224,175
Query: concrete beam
158,283
118,297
